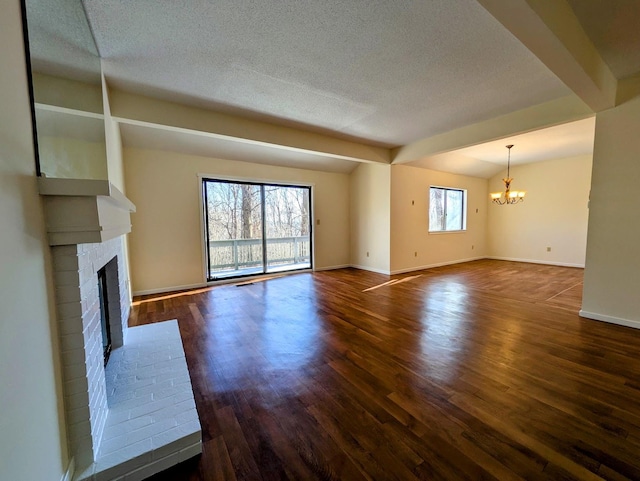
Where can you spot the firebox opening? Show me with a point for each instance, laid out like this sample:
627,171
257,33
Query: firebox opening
104,313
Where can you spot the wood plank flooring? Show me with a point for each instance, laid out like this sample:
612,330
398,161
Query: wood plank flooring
480,370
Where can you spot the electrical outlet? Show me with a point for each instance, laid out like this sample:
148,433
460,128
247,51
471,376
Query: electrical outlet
415,254
472,247
367,253
318,222
548,249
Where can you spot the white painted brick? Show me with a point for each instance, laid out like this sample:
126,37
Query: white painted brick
135,403
120,462
187,416
152,389
68,250
67,278
69,310
78,399
84,454
74,356
65,263
135,436
172,391
72,341
176,410
123,428
177,438
81,429
74,386
73,373
121,397
134,423
67,294
118,416
151,469
69,325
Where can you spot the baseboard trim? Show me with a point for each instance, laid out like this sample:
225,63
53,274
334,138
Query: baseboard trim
71,471
438,264
534,261
610,319
331,268
162,290
371,269
200,285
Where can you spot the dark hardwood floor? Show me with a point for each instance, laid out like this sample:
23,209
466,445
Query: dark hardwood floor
481,370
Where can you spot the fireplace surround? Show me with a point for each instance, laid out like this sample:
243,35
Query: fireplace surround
137,415
78,306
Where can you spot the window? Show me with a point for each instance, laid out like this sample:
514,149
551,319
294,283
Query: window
447,209
253,228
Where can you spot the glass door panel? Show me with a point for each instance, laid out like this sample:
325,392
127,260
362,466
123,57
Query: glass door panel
287,227
233,216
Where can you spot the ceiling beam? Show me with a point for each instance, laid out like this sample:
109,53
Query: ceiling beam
554,112
136,109
552,32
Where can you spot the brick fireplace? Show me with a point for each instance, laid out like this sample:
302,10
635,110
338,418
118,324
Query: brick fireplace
76,276
135,416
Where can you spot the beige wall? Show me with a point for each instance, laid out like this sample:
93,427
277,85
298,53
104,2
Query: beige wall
115,165
554,213
165,242
66,93
370,191
410,220
68,158
32,436
612,274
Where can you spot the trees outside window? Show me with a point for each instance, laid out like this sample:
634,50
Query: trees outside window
253,228
447,209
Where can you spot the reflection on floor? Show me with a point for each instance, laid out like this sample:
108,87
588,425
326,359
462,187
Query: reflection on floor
481,370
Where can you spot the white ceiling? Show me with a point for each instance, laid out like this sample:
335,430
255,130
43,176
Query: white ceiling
384,73
487,159
388,73
60,40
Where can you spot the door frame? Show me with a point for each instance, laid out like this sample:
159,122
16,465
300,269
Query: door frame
259,181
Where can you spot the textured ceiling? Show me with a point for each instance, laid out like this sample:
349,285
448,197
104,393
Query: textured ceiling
612,26
487,159
385,72
60,40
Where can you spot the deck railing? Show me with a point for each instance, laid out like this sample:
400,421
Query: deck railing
237,254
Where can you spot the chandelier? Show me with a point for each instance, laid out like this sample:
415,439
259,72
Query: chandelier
508,196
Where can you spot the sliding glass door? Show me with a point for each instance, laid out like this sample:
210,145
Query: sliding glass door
253,228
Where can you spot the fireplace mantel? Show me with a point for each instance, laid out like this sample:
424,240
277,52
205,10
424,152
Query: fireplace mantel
84,211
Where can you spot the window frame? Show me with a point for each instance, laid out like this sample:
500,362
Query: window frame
463,213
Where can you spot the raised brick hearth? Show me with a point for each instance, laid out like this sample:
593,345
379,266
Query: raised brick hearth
139,417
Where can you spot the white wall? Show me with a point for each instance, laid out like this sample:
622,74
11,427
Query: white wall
554,213
32,435
612,274
370,194
165,242
410,220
